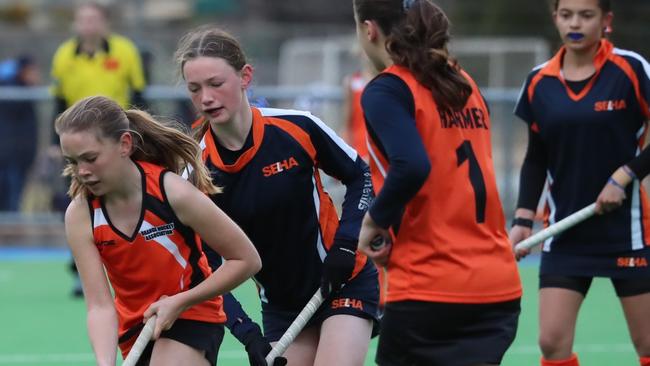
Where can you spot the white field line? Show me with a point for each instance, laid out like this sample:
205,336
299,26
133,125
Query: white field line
78,358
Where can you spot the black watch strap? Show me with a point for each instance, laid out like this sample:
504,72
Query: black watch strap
520,221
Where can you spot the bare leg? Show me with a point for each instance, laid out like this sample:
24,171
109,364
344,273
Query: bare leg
344,341
558,312
167,352
302,350
637,314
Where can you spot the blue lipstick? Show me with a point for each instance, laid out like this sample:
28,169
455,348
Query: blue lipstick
574,36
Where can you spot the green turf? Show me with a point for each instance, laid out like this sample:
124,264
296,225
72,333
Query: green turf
41,325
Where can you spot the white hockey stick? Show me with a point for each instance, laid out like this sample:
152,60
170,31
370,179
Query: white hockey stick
141,342
567,222
295,328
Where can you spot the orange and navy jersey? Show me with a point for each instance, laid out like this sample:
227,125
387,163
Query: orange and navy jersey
161,257
356,124
587,134
273,191
449,240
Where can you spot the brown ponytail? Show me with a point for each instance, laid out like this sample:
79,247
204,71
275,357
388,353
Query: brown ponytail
153,141
417,34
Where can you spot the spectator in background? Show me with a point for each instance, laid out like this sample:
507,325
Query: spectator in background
17,125
94,62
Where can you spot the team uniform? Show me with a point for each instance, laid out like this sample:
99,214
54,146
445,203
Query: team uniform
114,71
161,257
582,132
272,190
453,286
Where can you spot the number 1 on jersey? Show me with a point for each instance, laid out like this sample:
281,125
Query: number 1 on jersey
465,152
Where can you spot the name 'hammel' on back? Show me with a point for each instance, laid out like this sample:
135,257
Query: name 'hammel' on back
468,118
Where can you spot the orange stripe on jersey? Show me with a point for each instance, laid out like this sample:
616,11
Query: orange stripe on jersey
297,133
258,134
627,69
328,217
584,91
329,223
196,124
533,84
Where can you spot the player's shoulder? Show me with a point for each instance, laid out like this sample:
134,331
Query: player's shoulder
536,70
303,119
638,62
78,210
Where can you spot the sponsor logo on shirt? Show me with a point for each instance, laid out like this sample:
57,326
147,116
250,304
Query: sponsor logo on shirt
347,303
610,105
631,262
279,167
157,231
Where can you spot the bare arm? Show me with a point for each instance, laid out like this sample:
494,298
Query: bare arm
102,317
196,210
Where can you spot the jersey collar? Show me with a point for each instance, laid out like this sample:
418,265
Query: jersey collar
213,154
554,67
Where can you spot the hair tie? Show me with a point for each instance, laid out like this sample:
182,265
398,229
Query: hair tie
406,4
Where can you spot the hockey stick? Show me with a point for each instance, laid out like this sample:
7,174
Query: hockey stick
295,328
567,222
141,342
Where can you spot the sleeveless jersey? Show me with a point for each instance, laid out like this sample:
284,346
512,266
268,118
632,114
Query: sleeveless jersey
161,257
451,245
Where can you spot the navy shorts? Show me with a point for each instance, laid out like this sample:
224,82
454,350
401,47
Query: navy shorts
420,333
624,287
632,264
196,334
359,297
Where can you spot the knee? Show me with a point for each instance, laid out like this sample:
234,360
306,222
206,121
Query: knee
555,346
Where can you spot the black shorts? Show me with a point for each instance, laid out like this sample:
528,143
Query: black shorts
196,334
630,264
359,297
419,333
624,287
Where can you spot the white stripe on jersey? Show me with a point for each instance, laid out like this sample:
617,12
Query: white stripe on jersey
523,89
262,291
635,217
202,143
373,155
272,112
319,239
166,243
634,55
99,218
553,211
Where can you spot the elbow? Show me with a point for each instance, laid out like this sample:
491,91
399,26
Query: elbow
419,172
255,263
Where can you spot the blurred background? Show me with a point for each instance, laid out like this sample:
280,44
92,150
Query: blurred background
302,51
